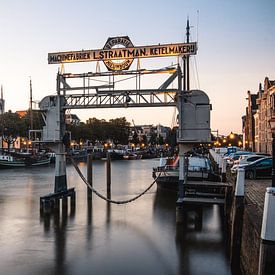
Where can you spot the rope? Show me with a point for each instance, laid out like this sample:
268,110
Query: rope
102,196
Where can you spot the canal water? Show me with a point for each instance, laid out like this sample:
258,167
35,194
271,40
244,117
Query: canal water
137,238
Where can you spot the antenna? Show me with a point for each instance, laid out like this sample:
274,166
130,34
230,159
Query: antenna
187,57
198,17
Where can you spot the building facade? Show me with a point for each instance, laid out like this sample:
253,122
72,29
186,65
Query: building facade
256,128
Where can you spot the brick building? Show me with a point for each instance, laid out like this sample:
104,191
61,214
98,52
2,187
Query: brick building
259,110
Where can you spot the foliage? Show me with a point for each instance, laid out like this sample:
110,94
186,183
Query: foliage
95,130
13,125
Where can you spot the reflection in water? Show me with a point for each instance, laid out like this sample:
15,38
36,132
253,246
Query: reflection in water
200,241
201,247
101,238
57,221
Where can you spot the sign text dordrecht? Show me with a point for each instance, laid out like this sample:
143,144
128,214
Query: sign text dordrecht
178,49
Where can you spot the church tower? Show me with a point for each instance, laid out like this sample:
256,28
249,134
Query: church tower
2,102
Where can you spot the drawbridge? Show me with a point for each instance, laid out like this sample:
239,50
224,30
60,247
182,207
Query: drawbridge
77,91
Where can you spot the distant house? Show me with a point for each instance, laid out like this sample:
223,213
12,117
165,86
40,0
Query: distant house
148,130
72,119
21,114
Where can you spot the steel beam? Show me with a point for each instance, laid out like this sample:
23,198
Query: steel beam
121,99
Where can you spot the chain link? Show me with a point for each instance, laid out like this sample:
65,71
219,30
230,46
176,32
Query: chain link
102,196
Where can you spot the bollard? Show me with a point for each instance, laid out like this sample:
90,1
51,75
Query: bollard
237,222
239,189
267,246
108,167
223,170
89,176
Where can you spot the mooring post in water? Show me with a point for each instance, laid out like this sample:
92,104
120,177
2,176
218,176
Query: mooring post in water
64,205
237,221
223,170
180,211
179,208
220,164
267,247
89,175
108,174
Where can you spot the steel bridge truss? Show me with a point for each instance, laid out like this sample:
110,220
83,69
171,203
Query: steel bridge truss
106,96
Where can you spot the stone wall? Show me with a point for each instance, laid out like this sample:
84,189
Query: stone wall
252,222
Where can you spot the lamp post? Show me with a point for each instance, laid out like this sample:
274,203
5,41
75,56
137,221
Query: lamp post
272,127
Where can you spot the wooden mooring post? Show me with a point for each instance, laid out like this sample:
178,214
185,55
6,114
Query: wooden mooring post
89,176
223,170
267,246
51,202
108,175
237,222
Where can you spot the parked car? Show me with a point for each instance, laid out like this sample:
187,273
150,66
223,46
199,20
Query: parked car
235,156
261,168
245,159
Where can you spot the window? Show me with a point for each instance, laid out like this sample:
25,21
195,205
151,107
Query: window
265,162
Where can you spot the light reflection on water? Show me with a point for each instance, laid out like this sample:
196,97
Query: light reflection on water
137,238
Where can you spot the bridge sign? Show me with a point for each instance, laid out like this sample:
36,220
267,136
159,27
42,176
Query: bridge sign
119,53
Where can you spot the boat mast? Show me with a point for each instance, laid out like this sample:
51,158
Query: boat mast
31,113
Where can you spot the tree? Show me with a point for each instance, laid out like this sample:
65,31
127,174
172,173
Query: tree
12,125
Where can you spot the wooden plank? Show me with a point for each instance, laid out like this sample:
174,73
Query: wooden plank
207,183
199,200
206,194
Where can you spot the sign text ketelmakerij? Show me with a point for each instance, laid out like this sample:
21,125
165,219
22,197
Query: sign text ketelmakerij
123,53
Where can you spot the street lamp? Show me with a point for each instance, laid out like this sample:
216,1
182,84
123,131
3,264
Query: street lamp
231,136
272,127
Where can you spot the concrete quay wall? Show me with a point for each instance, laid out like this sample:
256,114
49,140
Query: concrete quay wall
251,223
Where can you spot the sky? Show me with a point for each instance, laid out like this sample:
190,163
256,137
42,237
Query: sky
235,48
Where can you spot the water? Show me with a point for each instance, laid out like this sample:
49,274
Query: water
137,238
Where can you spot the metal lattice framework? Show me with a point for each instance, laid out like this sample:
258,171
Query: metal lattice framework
106,96
122,99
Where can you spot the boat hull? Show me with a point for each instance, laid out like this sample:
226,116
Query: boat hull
22,163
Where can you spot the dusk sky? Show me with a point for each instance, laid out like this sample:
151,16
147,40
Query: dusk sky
236,41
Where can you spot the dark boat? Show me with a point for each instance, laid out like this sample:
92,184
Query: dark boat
15,160
115,154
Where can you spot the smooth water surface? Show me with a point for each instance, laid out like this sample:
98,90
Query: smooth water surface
137,238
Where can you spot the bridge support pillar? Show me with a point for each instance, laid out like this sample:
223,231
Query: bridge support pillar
60,182
183,148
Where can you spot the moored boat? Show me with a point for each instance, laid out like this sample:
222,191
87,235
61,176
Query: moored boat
198,168
22,160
